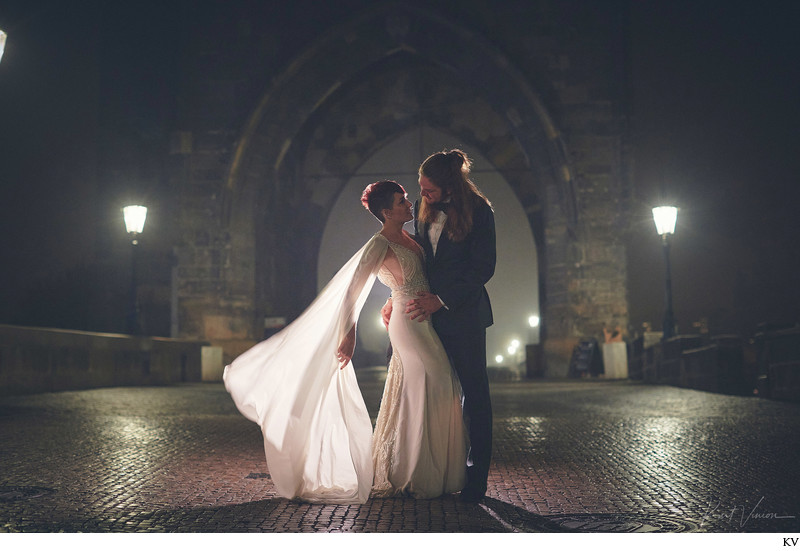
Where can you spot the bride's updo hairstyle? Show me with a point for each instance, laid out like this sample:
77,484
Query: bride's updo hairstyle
379,196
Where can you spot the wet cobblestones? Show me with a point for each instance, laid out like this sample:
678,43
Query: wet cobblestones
569,457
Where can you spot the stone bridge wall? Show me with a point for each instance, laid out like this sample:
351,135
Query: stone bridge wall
47,360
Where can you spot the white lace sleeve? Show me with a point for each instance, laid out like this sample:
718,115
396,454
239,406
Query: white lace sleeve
363,277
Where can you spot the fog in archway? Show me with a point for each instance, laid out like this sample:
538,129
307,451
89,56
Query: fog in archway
514,288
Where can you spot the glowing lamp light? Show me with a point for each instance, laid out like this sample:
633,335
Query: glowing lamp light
533,321
498,359
665,219
135,216
513,347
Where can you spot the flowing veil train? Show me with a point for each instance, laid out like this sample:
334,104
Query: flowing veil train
317,431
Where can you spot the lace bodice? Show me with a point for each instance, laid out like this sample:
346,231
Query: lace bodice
419,443
414,279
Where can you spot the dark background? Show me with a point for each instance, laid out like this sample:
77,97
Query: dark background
88,92
715,125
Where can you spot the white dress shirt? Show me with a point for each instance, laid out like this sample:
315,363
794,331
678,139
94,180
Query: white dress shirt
435,231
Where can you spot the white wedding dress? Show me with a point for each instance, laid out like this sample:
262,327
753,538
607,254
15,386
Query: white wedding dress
317,431
420,443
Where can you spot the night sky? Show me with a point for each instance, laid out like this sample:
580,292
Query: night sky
716,88
714,129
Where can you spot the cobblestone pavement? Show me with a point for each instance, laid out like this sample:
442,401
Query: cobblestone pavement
572,456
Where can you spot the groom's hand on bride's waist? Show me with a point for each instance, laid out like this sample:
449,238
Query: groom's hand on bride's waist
386,312
424,307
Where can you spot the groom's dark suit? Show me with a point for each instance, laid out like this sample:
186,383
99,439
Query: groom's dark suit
458,273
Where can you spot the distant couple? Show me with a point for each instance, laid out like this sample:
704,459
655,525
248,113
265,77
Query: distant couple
300,387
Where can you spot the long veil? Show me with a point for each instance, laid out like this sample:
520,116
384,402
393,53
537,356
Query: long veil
317,431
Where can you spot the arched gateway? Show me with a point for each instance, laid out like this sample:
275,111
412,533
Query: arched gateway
384,73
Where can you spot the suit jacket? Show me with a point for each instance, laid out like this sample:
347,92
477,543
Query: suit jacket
458,273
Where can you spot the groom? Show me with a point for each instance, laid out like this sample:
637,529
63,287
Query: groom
455,226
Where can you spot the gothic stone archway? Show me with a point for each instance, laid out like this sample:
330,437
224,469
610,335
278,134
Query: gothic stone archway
386,71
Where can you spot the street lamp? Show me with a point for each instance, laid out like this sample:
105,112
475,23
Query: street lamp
135,216
534,363
3,37
533,324
665,219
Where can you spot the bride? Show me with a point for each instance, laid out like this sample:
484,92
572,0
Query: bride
300,387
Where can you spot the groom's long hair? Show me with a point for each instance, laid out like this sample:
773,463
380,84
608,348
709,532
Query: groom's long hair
449,170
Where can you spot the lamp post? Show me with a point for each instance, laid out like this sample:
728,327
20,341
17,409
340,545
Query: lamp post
665,219
534,359
135,216
3,37
533,323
